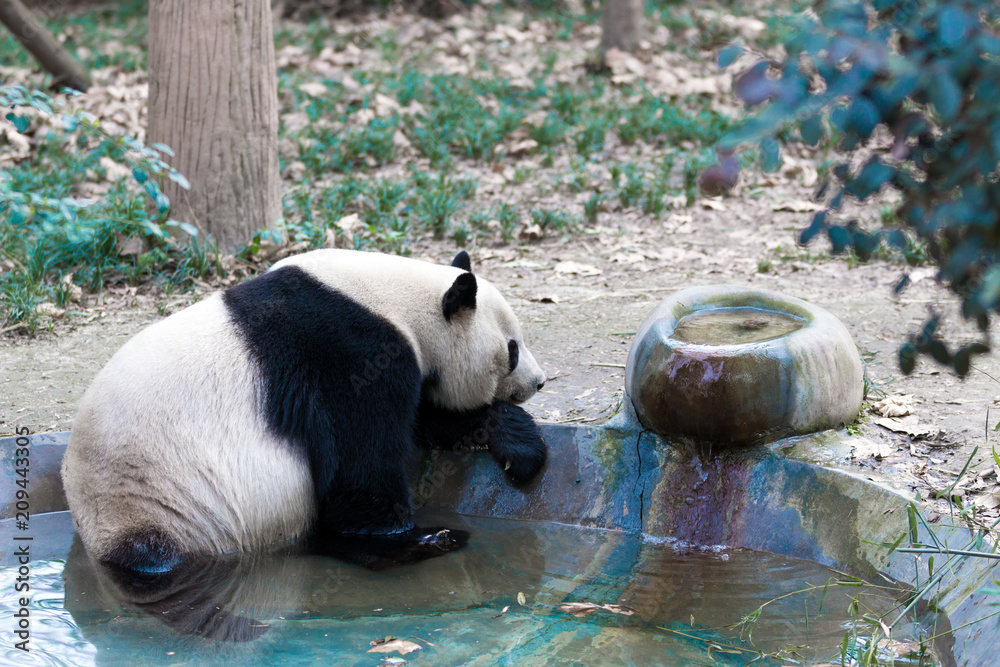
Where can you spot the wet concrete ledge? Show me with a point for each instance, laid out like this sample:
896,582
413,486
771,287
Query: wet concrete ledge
624,478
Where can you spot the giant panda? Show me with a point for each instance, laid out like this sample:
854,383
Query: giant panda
290,405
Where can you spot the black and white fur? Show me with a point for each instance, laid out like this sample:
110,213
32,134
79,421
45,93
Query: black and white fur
292,401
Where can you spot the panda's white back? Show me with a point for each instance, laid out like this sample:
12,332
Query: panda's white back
171,428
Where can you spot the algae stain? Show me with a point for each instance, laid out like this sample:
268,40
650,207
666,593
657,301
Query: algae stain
609,449
827,514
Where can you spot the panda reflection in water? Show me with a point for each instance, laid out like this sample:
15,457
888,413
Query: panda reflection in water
290,405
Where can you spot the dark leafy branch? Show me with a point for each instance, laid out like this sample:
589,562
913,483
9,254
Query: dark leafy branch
909,92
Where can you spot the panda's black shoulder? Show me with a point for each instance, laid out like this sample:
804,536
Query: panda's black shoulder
318,351
288,293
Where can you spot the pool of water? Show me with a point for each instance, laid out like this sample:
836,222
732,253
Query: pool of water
495,602
728,326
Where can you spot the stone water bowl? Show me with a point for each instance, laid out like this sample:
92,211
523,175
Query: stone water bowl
732,364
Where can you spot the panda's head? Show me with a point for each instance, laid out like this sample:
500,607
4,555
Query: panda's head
483,358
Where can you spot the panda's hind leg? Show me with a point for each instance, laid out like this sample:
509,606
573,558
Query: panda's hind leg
146,552
366,517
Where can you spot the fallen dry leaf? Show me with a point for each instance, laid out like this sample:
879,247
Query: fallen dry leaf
531,233
48,308
712,204
989,500
294,171
133,245
623,64
797,206
577,269
401,645
313,89
864,448
900,649
522,147
348,222
745,26
916,275
894,406
909,425
628,258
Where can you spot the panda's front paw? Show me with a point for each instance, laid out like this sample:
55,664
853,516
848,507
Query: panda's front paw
516,444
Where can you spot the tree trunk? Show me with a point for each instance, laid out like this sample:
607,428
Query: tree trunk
213,98
621,25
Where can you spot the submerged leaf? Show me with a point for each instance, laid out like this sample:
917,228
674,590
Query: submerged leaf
582,609
579,609
402,645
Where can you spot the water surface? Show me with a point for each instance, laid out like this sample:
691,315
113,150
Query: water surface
463,609
728,326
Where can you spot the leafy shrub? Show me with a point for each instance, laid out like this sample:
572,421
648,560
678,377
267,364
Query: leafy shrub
51,239
910,93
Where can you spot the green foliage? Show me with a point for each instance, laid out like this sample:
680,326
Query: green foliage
592,207
917,96
51,239
438,200
658,121
631,193
553,219
508,215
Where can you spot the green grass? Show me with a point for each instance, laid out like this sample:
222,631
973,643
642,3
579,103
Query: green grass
554,219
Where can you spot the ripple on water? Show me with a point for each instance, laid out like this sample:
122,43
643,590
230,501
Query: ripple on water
56,639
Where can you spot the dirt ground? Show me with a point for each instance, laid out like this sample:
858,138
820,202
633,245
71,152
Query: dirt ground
579,325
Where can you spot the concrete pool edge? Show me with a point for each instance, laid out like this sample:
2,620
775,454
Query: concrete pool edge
620,477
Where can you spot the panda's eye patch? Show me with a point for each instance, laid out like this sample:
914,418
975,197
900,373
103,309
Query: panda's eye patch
512,354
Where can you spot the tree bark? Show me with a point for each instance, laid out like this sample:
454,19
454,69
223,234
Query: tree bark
621,25
213,99
40,43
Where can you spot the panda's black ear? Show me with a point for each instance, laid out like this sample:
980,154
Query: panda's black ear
460,296
462,261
